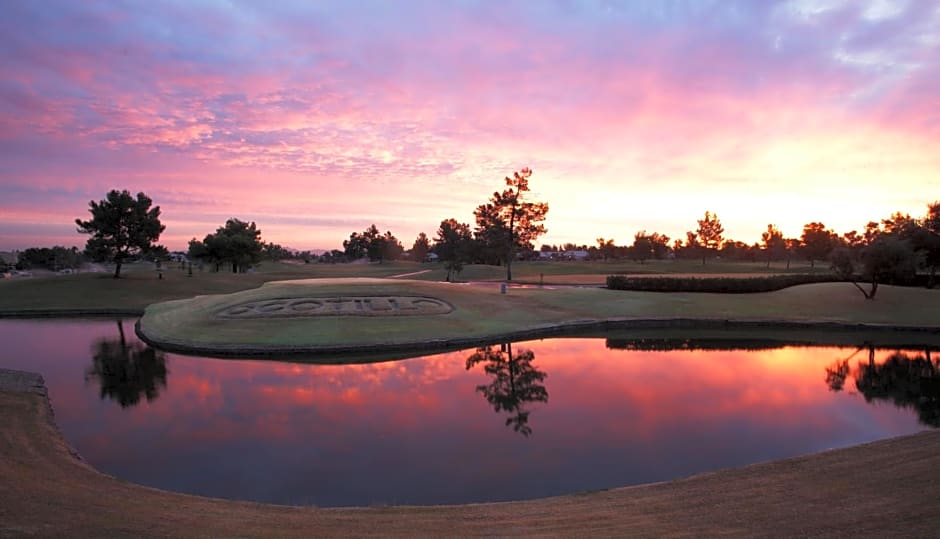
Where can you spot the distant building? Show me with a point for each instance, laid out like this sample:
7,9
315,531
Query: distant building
576,255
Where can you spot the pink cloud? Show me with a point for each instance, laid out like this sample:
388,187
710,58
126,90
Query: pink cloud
711,109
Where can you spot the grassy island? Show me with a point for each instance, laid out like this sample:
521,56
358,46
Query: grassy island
269,319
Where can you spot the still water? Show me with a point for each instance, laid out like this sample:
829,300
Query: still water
565,415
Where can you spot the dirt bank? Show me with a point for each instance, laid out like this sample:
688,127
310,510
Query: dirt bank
885,488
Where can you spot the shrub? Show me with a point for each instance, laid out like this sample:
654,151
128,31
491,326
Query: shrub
725,285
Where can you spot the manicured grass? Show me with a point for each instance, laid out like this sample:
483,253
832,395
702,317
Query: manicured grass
139,286
482,312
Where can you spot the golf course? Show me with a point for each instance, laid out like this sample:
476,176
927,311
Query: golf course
296,317
359,313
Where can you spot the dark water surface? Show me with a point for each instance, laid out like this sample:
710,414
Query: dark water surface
566,415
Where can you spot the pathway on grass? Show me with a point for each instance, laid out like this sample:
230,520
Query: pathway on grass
412,274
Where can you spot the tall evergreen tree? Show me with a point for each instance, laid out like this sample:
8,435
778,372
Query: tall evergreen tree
709,234
509,222
121,226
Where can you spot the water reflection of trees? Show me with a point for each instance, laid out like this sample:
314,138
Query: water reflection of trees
515,383
126,372
906,380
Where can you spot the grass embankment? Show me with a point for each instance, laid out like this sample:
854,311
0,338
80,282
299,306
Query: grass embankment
482,313
882,489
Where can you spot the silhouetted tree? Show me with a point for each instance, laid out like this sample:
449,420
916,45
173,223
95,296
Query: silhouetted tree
692,248
738,250
709,234
357,246
932,244
843,265
197,251
932,221
509,223
817,242
660,244
273,251
389,248
899,224
773,244
374,244
237,243
452,245
515,382
420,248
888,259
606,248
333,256
642,247
121,226
872,231
793,245
126,372
54,258
853,241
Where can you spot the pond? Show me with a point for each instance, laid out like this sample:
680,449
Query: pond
565,415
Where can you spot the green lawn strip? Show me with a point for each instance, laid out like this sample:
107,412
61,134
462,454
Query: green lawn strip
139,285
482,312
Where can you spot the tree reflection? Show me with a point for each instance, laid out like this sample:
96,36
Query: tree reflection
515,382
836,375
907,381
839,370
126,372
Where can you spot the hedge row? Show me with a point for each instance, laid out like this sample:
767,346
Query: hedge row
726,285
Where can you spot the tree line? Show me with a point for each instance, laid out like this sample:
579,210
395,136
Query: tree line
893,249
50,258
506,227
124,227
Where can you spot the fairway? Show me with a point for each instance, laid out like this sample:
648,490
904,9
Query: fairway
139,286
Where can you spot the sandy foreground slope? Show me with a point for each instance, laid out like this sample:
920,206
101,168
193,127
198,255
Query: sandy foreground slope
885,488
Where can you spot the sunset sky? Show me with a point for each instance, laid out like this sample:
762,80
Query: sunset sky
316,119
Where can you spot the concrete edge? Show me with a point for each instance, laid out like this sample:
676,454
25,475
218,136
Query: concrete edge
551,330
69,313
